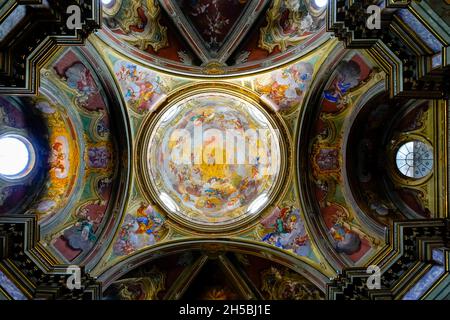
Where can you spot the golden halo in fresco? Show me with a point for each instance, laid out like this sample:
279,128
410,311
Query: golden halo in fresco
213,159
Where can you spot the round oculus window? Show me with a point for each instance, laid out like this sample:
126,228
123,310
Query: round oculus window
414,159
16,156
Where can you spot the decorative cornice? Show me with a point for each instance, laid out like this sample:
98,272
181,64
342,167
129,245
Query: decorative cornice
34,39
400,52
410,254
28,264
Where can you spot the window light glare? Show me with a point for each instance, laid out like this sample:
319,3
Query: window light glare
320,3
14,156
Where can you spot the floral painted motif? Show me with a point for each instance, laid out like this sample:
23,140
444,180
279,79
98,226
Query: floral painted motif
287,231
145,228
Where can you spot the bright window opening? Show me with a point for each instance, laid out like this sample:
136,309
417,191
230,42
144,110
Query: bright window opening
415,159
320,3
16,156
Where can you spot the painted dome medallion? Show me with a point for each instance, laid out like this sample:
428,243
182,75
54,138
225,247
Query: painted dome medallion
213,159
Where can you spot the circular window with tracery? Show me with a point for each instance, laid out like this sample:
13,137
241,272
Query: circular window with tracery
414,159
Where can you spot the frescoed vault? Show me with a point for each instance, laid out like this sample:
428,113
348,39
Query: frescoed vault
339,169
213,37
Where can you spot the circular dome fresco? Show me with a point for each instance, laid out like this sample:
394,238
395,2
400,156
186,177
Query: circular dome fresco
213,159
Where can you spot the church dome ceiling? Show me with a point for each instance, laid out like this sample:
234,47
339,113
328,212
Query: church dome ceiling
214,158
19,120
212,38
73,185
258,145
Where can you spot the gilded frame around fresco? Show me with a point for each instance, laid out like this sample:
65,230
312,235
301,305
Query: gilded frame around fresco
143,136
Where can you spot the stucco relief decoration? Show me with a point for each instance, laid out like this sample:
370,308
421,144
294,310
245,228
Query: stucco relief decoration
289,23
138,23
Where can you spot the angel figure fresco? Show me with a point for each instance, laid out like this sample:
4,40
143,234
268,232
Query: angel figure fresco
211,184
140,87
58,161
345,239
348,77
296,20
78,77
286,87
203,117
287,231
81,236
140,230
